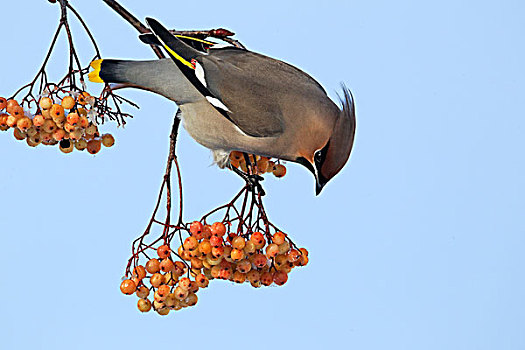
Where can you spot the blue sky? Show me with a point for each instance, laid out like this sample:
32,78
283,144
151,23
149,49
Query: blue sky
417,244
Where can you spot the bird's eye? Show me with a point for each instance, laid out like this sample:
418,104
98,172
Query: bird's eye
317,157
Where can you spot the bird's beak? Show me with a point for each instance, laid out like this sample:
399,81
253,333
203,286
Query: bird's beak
319,183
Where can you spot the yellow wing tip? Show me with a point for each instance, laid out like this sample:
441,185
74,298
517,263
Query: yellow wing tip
94,76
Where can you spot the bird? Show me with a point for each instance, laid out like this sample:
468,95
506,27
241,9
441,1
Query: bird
234,99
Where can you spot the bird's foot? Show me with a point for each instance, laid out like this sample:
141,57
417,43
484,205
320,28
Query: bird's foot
253,181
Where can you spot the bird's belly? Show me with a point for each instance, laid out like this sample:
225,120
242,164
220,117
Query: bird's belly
212,130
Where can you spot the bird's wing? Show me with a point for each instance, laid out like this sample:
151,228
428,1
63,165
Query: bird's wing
258,89
251,90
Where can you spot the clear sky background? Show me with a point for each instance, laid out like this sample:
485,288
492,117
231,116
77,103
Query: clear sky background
417,244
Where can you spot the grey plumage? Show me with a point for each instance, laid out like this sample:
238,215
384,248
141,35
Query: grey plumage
234,99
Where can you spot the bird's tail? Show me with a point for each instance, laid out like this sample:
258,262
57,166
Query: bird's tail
158,76
119,71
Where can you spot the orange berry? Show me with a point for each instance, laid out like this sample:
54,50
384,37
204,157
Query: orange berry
57,111
94,146
196,227
83,98
180,293
24,123
238,242
3,121
45,103
205,247
68,102
128,287
59,134
259,260
47,138
253,276
293,255
108,140
166,265
279,170
66,146
262,165
236,156
75,135
92,129
156,280
237,254
19,134
249,247
280,278
267,278
284,247
10,105
171,301
3,103
244,266
201,280
17,112
278,238
163,251
84,122
49,126
81,144
153,266
215,241
280,260
73,119
185,283
239,277
271,166
191,243
163,291
143,292
69,128
139,271
217,251
191,299
11,121
34,141
303,251
144,305
46,114
303,260
196,263
206,232
218,229
257,238
38,120
272,250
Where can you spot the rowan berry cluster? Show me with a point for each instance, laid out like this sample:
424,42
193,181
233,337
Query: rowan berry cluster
209,253
259,165
63,121
167,280
254,257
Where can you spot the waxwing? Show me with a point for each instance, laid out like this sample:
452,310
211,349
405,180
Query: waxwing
234,99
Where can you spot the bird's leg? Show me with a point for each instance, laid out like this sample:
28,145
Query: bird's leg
252,179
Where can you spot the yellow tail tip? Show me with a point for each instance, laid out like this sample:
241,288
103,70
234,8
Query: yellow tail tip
94,76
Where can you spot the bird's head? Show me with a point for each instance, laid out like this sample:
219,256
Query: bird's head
327,161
